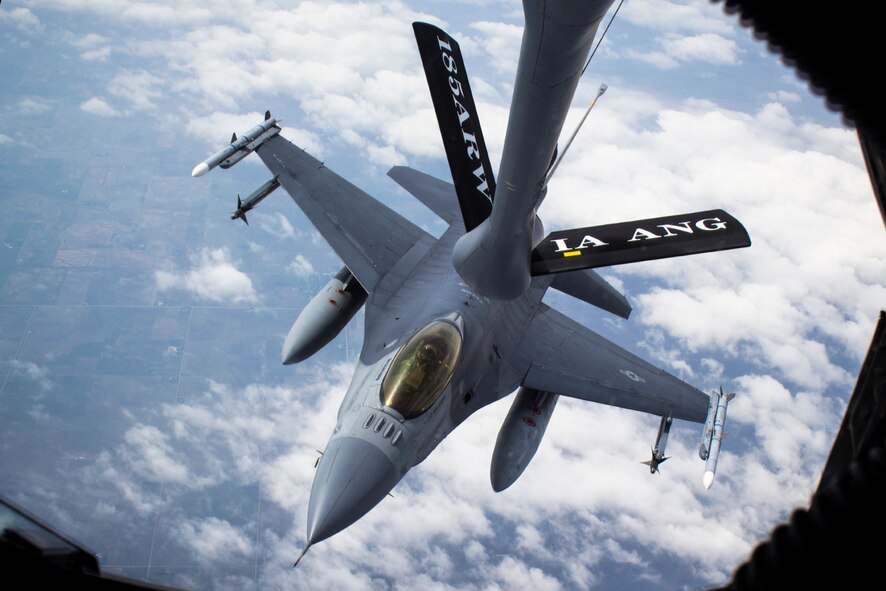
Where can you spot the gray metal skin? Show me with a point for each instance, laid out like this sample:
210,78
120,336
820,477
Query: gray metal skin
324,317
494,258
361,464
520,435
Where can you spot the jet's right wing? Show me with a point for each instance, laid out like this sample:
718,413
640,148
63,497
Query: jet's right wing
571,360
369,237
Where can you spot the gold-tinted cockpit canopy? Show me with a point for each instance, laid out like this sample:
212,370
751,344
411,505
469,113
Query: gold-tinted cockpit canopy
422,369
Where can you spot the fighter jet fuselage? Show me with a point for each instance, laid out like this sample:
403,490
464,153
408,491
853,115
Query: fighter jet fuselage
426,365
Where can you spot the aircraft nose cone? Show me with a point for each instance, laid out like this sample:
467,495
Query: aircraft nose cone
352,478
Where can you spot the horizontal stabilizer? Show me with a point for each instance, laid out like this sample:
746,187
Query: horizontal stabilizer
457,116
436,195
589,287
641,240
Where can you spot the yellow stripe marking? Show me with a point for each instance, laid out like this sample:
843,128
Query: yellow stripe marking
572,253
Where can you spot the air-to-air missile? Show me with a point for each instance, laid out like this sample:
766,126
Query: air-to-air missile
712,435
239,149
661,442
254,199
324,317
520,435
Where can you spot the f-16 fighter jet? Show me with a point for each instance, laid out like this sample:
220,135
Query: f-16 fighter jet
457,322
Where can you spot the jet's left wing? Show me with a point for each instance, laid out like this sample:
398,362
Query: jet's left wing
571,360
368,236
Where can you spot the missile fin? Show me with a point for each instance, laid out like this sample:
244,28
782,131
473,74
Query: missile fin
233,137
267,115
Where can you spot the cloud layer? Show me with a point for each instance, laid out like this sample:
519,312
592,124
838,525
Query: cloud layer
784,323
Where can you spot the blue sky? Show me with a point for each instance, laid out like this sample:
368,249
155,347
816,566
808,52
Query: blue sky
143,405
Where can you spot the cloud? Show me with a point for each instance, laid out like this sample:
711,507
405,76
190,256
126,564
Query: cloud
705,47
150,455
22,18
97,106
583,492
5,139
213,277
301,267
276,224
139,87
33,106
685,15
351,66
784,96
92,46
804,293
215,540
31,371
96,55
89,41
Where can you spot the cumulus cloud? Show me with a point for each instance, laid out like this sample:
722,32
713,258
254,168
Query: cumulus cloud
33,106
213,277
215,541
33,372
301,267
96,55
22,18
5,139
784,96
139,87
705,47
153,456
92,46
584,490
683,15
805,292
276,224
100,107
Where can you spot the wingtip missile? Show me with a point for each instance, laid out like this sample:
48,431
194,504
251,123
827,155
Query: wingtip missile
708,479
200,169
713,435
240,147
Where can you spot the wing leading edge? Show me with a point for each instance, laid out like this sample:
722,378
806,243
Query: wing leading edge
574,361
368,236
